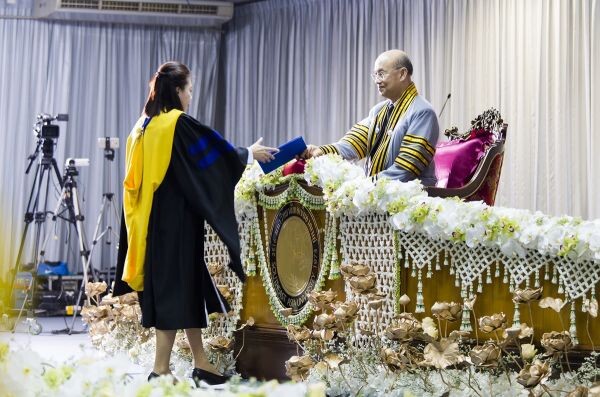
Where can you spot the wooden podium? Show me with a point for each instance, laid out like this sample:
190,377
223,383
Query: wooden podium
291,257
266,345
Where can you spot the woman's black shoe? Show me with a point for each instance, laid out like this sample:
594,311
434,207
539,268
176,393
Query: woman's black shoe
208,377
152,376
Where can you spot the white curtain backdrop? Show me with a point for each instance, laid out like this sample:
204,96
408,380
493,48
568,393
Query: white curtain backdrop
302,68
99,75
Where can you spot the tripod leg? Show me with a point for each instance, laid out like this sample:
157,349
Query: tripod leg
82,248
39,218
96,237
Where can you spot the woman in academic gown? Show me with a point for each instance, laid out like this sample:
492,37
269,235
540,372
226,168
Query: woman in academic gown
179,174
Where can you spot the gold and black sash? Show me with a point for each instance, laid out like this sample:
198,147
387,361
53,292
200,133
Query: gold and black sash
379,140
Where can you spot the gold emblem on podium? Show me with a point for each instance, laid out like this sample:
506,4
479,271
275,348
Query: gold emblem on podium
294,254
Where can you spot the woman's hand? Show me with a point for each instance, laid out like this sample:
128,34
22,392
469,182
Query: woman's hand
261,153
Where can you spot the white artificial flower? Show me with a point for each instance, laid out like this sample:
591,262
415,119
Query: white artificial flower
590,306
23,375
528,351
430,327
401,221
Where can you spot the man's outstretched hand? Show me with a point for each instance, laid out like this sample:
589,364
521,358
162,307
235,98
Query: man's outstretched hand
311,151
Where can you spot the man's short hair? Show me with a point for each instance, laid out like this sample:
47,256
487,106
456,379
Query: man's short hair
404,62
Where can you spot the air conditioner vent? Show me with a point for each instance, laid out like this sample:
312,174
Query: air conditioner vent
119,6
197,13
87,5
199,9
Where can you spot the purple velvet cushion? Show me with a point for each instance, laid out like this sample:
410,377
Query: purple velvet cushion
456,161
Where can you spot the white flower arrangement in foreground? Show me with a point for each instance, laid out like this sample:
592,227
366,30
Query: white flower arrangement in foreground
23,373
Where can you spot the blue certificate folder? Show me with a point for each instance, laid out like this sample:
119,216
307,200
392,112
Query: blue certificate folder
288,151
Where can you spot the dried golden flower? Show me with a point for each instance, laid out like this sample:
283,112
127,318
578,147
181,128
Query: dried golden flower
346,312
226,292
376,303
215,269
324,334
323,321
446,311
220,344
458,334
527,295
491,323
403,329
93,289
321,368
533,374
297,367
99,328
354,269
129,299
91,314
486,355
580,391
395,360
322,300
556,342
528,351
334,360
362,284
108,299
404,300
594,390
555,304
129,313
523,331
442,354
298,334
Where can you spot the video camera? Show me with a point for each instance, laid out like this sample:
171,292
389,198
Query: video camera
71,165
43,127
47,134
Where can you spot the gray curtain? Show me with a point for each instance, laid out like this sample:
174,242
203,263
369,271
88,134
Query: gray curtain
99,75
302,68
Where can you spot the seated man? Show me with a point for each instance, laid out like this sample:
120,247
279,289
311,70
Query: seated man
398,137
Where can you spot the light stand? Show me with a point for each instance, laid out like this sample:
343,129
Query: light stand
108,210
69,205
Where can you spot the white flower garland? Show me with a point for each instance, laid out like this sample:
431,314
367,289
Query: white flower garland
513,231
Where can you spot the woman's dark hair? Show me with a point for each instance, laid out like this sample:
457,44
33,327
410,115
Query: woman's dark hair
163,95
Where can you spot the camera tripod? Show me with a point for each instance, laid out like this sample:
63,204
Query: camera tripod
46,167
68,209
108,210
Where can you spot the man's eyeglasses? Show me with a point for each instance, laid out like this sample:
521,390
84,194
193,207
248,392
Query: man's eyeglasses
381,75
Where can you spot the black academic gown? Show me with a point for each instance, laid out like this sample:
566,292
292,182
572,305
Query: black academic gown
178,291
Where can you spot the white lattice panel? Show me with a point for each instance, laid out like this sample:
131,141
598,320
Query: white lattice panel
522,268
370,240
470,263
216,252
577,277
421,250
